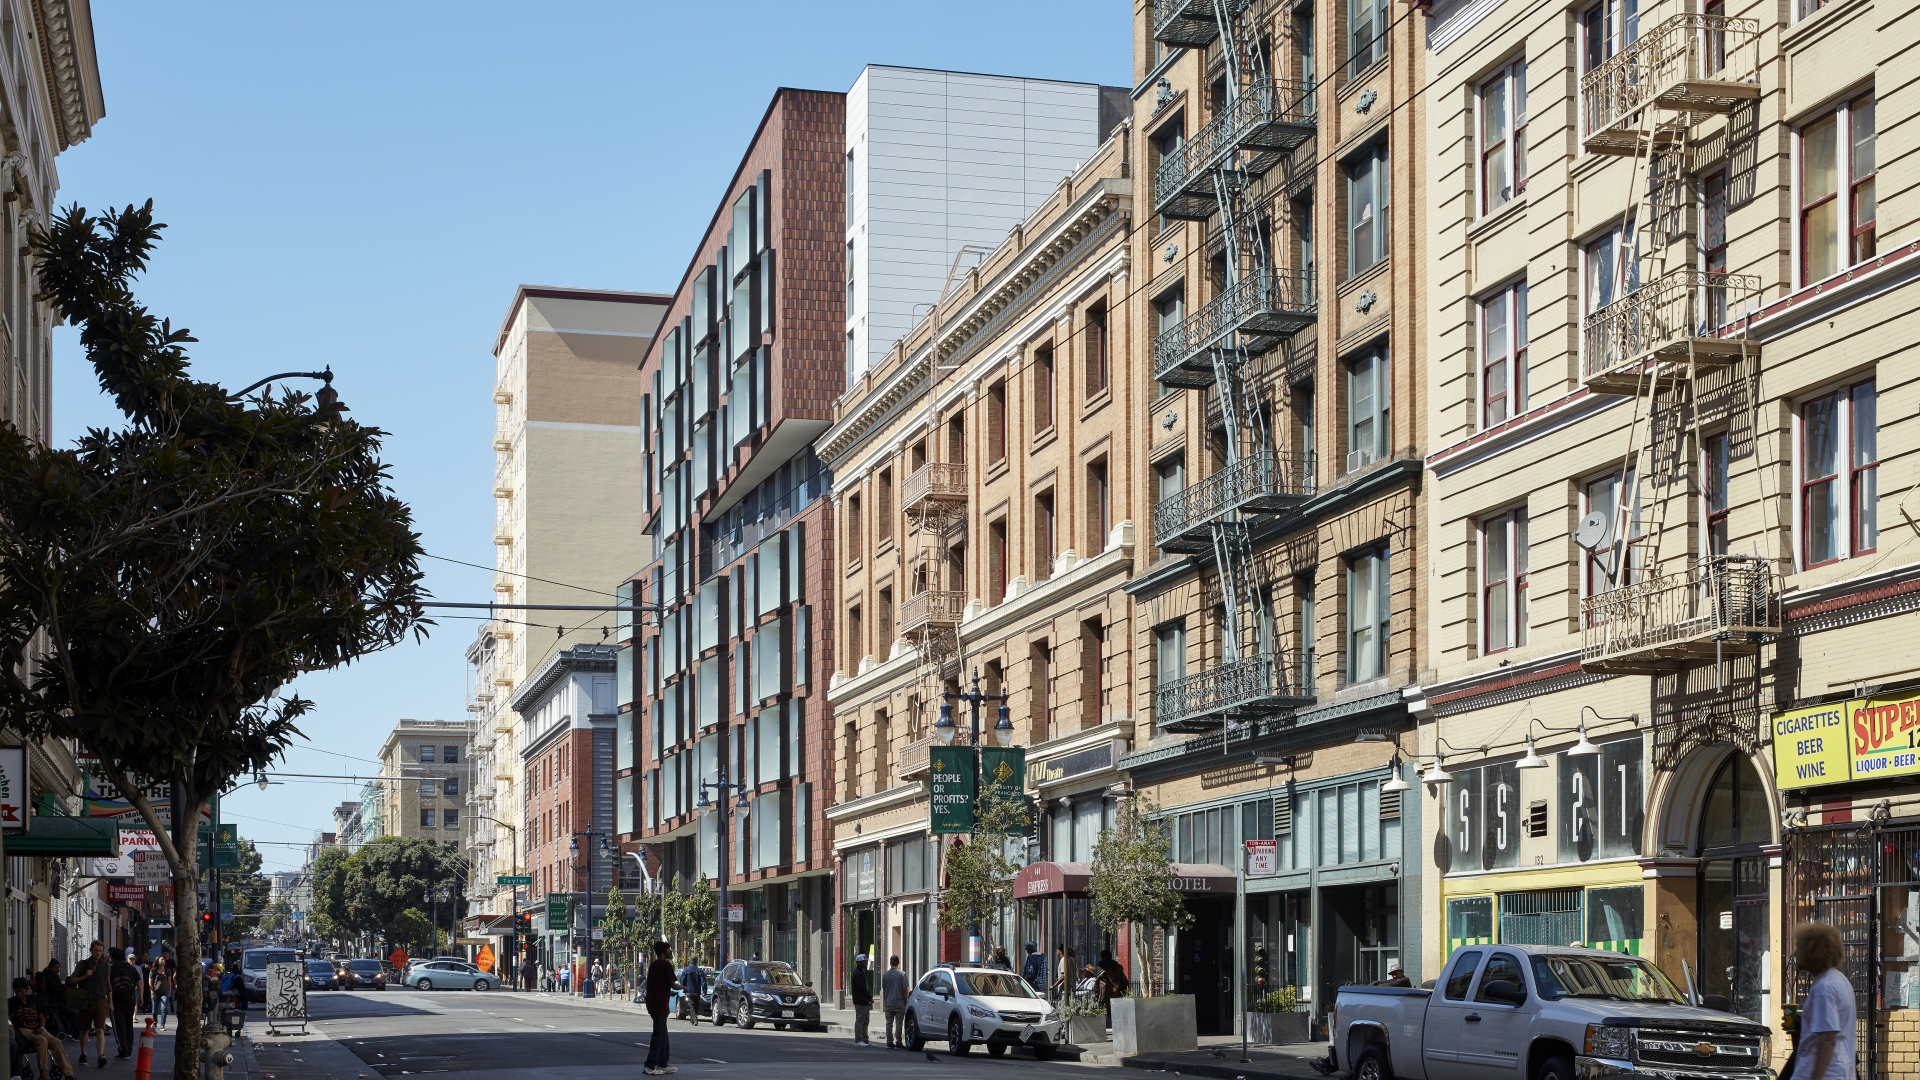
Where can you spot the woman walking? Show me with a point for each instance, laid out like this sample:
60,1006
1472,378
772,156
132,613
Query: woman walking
1824,1049
160,985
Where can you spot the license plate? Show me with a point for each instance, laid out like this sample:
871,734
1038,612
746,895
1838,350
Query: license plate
786,1013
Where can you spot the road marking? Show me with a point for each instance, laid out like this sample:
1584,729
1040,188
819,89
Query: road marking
715,1061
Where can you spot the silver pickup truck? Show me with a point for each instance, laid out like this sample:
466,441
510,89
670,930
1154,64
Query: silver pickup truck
1534,1012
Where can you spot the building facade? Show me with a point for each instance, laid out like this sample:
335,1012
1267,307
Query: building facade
724,680
422,784
985,476
566,383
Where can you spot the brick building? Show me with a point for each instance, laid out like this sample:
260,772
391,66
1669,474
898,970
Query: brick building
423,780
726,683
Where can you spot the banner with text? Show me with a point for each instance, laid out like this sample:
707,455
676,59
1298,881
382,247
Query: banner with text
954,788
1004,772
1857,739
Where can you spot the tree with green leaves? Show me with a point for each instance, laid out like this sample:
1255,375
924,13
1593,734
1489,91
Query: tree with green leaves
1131,882
367,890
410,926
167,580
687,917
981,869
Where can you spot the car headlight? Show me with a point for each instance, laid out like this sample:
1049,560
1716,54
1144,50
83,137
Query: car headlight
807,998
1609,1042
768,998
1052,1017
984,1014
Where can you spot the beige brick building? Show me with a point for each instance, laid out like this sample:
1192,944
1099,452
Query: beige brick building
987,482
423,780
1670,479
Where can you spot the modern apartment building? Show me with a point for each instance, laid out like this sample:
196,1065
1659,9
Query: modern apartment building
723,684
940,164
566,435
986,482
1673,551
1279,178
422,780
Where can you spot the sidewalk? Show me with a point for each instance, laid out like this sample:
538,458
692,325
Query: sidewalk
1219,1057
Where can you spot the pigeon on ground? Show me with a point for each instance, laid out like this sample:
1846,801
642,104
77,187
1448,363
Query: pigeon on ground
930,1056
1218,1053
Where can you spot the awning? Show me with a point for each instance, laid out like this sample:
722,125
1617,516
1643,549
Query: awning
1048,879
1204,879
490,924
54,837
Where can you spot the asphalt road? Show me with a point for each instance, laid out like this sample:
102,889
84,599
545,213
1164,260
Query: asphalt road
396,1033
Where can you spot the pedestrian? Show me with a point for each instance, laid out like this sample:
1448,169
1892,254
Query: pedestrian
29,1022
160,980
1113,980
861,991
95,976
1089,984
566,978
529,972
893,997
660,987
51,985
1000,959
1063,972
1034,969
1825,1048
693,986
1396,976
124,979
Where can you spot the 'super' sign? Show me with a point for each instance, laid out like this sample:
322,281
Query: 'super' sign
1852,740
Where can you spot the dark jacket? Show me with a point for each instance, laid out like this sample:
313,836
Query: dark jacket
1035,970
125,979
94,977
862,988
659,986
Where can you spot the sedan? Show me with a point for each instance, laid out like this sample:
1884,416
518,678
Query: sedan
449,975
321,976
362,974
748,992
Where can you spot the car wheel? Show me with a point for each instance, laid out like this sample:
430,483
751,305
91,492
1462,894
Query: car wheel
747,1019
481,984
1556,1068
914,1040
423,984
956,1036
995,1049
1372,1065
1043,1053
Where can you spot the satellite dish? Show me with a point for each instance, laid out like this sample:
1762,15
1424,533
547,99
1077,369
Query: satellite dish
1593,530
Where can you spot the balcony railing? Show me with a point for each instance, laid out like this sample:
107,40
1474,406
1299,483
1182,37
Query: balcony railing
930,609
1269,481
1724,604
1260,307
1267,121
1190,23
1262,684
1680,314
911,764
1695,63
941,482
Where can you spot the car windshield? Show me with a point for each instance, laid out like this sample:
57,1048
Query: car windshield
366,965
995,984
257,960
1612,977
777,974
320,966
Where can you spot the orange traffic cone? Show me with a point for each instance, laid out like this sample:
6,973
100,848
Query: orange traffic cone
143,1065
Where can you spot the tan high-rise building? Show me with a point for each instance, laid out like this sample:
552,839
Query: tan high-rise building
423,780
568,528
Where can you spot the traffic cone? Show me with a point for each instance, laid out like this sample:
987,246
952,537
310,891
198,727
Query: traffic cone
143,1065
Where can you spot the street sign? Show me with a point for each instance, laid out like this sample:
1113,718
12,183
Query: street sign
132,840
126,894
13,788
149,867
556,911
735,913
954,785
1263,858
513,879
599,934
1004,772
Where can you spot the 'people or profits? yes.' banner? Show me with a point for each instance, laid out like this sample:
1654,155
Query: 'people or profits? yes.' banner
1857,739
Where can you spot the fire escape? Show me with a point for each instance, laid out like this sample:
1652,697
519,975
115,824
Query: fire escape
1217,175
1672,331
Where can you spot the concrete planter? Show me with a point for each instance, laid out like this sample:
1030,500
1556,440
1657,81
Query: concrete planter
1087,1030
1154,1025
1271,1028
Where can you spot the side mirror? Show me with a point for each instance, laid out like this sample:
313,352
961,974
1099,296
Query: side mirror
1506,992
1716,1002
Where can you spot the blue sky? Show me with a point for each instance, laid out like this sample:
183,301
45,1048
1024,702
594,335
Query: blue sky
362,186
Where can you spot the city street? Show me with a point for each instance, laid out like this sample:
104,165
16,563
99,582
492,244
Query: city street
407,1033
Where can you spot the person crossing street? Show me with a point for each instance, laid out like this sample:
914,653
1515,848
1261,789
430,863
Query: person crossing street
660,987
861,991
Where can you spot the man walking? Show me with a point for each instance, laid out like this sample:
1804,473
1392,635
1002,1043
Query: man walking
529,973
125,979
94,975
862,993
660,985
693,986
893,997
1034,969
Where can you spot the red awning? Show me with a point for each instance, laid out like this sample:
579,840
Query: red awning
1052,879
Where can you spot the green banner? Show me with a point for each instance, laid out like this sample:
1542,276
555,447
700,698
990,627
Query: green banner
1005,772
556,911
954,789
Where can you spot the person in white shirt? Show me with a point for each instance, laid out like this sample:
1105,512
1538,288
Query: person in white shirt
1824,1049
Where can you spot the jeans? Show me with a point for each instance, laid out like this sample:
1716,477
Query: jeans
161,1003
860,1014
896,1026
657,1049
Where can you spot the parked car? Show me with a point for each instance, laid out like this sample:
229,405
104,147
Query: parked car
750,991
363,974
253,970
321,976
1537,1012
448,975
970,1004
693,1006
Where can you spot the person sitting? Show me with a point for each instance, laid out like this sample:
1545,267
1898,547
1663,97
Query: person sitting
28,1020
1396,976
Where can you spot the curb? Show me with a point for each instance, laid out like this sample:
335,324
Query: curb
1214,1070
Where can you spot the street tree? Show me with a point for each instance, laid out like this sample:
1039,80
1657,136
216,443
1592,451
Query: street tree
410,926
167,580
980,870
687,916
1131,879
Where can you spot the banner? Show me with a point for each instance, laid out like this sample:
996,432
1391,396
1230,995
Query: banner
556,912
1859,739
1810,746
954,788
1004,770
13,788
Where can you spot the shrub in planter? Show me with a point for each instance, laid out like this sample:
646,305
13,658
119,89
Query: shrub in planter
1273,1018
1086,1020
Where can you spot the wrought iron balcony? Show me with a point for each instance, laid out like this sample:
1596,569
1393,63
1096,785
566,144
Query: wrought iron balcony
1266,482
937,483
1721,605
1266,121
931,610
1190,23
1261,307
1681,315
1689,63
1261,685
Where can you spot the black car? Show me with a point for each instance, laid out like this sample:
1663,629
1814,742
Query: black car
749,992
364,975
321,976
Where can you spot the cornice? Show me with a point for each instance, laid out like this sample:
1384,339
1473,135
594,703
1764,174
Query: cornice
1117,559
71,70
1103,199
879,800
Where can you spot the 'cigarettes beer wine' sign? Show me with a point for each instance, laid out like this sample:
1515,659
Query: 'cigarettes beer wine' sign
1857,739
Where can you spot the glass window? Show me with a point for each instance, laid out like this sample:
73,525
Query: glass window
1043,388
1365,26
428,786
1713,244
1367,189
1837,159
1168,309
450,754
450,819
1503,355
1612,271
1503,581
426,817
1615,916
1625,535
1503,137
1839,513
1714,475
450,787
1462,976
1501,968
1606,28
1169,652
1368,408
1369,614
426,755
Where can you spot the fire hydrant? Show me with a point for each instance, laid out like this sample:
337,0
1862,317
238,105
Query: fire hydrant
216,1044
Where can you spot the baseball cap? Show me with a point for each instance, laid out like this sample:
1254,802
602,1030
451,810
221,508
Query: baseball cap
861,959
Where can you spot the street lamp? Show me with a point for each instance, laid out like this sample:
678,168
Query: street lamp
573,849
327,400
1002,735
720,788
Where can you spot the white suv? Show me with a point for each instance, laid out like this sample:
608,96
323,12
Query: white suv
968,1005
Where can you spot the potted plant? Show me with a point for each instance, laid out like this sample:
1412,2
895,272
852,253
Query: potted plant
1132,883
1275,1018
1086,1019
